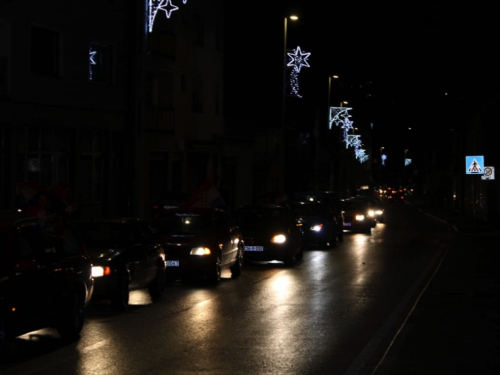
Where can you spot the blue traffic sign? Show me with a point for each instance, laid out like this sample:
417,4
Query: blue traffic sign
474,164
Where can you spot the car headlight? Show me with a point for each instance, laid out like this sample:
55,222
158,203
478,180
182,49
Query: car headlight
371,213
99,271
317,228
279,238
379,212
359,217
200,251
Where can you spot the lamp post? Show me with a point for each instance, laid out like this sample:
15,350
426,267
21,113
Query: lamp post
285,32
283,106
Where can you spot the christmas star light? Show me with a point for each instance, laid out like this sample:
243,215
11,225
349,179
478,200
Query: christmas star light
164,5
298,59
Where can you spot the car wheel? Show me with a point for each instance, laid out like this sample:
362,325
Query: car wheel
214,274
300,255
157,287
120,296
3,337
237,267
70,321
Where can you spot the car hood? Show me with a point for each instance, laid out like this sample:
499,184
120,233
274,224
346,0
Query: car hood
187,239
103,253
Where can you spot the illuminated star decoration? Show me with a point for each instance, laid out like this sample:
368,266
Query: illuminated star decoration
91,62
298,59
383,157
407,162
164,5
338,115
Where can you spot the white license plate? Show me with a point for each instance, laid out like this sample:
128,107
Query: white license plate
172,263
347,224
254,248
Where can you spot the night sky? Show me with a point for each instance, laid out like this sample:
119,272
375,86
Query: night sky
424,66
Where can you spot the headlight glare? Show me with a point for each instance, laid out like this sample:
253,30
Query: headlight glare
317,228
200,251
360,217
279,238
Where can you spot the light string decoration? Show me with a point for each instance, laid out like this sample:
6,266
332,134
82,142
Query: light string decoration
298,59
91,62
383,158
163,5
340,116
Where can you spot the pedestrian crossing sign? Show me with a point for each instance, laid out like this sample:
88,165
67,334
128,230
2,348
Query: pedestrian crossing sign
474,164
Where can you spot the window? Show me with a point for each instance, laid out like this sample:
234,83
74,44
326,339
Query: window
4,66
197,104
44,52
162,43
199,32
99,63
162,90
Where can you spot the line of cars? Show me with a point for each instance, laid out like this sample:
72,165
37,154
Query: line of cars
51,269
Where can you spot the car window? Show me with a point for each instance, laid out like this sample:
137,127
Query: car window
105,234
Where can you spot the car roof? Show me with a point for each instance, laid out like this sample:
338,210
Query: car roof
192,210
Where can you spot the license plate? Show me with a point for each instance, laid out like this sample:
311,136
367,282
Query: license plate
254,248
347,224
172,263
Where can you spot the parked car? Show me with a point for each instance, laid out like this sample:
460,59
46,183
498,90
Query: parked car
270,232
319,224
358,215
45,277
200,242
126,256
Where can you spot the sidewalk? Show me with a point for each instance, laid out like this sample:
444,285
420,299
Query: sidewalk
454,327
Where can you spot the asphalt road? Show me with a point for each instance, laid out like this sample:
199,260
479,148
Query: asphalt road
333,313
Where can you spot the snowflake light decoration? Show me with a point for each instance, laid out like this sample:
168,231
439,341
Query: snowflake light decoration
407,162
338,115
383,158
164,5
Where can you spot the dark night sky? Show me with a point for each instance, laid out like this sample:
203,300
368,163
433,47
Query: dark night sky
428,64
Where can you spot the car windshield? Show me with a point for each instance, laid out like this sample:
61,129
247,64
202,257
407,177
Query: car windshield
184,224
353,206
311,209
258,216
105,234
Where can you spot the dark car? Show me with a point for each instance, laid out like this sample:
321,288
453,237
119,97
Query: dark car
125,256
330,197
45,277
199,242
376,208
319,224
270,232
396,196
358,215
